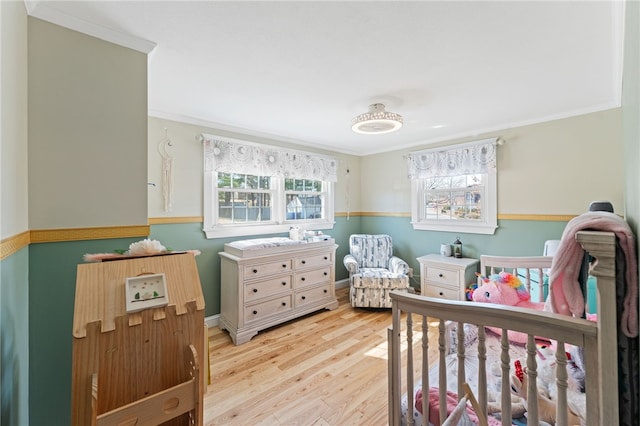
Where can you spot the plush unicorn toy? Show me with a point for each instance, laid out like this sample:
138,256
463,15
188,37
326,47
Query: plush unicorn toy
505,289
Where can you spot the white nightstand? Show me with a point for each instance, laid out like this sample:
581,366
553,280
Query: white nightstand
446,277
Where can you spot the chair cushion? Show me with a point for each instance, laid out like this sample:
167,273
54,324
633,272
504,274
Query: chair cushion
379,278
371,297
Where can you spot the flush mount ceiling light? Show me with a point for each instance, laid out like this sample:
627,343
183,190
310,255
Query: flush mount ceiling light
376,121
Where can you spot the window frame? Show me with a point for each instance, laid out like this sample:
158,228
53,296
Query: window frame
279,224
428,164
489,207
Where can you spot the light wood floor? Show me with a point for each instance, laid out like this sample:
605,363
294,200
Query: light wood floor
328,368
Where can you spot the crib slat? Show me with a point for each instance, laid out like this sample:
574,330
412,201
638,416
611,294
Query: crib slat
505,387
532,381
410,386
462,376
425,369
442,372
482,370
561,384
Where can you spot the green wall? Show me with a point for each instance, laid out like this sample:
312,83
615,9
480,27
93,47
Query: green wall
52,284
14,339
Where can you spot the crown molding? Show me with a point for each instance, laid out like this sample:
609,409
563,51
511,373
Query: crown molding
40,10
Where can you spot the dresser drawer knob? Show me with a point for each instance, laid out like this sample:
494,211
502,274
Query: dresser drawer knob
255,290
326,258
303,262
255,271
441,294
284,283
325,290
255,312
326,273
284,303
284,265
440,275
304,297
302,279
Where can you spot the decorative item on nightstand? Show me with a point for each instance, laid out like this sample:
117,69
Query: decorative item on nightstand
457,248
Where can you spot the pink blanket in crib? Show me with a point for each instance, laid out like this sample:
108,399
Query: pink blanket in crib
566,295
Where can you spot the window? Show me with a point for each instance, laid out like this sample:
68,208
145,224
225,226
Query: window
454,189
304,199
255,189
243,198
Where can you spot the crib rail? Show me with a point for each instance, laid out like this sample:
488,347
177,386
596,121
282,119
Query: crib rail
600,361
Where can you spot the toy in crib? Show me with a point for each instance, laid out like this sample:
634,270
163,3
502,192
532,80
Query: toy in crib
546,406
505,288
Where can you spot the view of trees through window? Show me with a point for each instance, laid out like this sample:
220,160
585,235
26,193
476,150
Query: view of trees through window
244,198
454,198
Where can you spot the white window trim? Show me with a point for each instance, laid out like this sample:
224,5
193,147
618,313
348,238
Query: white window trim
487,227
213,229
490,223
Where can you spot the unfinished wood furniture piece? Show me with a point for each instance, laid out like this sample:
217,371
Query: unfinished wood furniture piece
143,367
272,281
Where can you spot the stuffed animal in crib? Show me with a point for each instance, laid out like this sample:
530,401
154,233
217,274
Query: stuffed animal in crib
546,406
504,288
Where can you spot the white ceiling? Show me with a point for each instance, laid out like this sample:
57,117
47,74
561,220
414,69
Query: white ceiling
300,71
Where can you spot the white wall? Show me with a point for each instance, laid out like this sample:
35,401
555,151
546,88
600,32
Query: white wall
188,169
13,122
87,111
552,168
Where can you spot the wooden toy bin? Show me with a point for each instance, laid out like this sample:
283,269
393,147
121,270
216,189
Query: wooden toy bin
144,367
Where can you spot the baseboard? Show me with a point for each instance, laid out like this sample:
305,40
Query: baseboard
212,321
342,283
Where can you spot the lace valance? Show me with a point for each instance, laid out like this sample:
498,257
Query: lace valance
469,158
231,155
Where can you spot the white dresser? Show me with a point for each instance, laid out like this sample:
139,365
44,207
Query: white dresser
268,281
446,277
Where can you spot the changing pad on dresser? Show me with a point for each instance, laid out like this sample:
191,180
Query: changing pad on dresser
256,247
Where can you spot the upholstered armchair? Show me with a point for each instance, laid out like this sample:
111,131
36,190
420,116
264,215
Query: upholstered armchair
374,271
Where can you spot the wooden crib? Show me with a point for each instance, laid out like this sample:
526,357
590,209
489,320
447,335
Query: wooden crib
437,317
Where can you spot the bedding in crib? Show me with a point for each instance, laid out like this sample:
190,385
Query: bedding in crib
546,375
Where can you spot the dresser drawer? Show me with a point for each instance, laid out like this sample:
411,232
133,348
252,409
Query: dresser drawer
257,290
260,270
312,295
313,277
267,308
442,292
312,260
443,276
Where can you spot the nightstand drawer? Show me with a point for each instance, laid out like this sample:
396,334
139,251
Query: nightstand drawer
443,276
442,292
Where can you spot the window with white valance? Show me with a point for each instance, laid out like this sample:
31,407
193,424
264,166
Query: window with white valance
258,189
455,188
